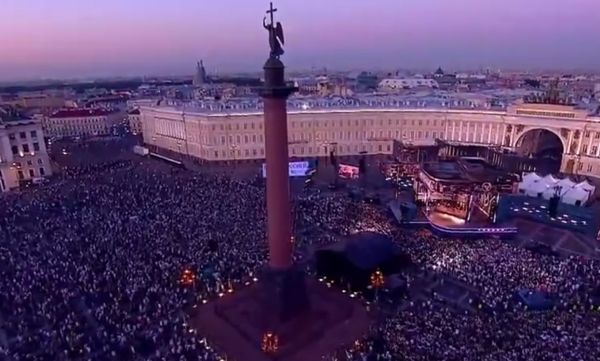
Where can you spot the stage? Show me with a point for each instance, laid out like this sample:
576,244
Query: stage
447,224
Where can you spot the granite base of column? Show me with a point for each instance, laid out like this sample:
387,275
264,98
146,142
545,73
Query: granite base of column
285,296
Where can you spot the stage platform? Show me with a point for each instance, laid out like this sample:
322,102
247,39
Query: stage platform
234,324
446,224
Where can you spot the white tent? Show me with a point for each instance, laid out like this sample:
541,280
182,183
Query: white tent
536,188
550,180
530,177
587,186
576,195
566,183
527,180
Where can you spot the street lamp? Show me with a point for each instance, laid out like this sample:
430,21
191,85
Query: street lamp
377,281
270,343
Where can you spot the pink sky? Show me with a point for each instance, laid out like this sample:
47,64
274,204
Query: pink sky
64,38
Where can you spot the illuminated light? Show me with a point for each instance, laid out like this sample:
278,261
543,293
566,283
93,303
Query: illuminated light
230,290
204,301
343,291
453,219
187,277
255,279
247,283
352,295
221,294
321,279
270,342
191,330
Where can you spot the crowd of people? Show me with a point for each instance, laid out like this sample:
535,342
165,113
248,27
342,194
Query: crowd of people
92,266
498,269
91,262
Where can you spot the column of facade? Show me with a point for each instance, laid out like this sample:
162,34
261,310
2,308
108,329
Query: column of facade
482,133
589,147
445,135
489,133
453,131
597,148
460,130
579,143
512,136
569,142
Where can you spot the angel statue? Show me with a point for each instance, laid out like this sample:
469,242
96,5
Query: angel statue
276,39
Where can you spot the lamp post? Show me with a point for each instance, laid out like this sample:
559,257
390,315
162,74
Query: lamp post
377,282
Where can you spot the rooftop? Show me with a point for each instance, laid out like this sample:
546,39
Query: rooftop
80,112
408,100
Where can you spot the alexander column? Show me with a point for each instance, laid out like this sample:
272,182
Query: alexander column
284,316
285,284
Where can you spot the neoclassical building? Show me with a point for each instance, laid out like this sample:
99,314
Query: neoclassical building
235,132
23,153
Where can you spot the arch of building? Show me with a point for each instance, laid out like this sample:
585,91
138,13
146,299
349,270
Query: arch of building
517,142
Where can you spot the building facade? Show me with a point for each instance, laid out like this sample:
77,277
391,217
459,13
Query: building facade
23,154
81,122
236,134
134,120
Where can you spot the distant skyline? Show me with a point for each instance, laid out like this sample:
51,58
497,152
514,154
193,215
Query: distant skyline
92,38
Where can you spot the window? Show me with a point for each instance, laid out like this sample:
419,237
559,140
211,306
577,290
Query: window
31,173
216,154
15,150
585,149
40,161
590,168
20,175
246,152
594,149
23,135
42,172
580,166
29,163
11,136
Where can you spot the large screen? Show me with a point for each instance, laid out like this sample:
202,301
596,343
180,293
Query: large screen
348,171
295,169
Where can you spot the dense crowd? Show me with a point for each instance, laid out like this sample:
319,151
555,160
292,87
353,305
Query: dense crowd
92,266
499,269
91,263
435,329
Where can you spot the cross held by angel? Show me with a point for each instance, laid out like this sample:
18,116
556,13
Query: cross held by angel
276,39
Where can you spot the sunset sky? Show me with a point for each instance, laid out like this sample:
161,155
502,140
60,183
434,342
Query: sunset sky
69,38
